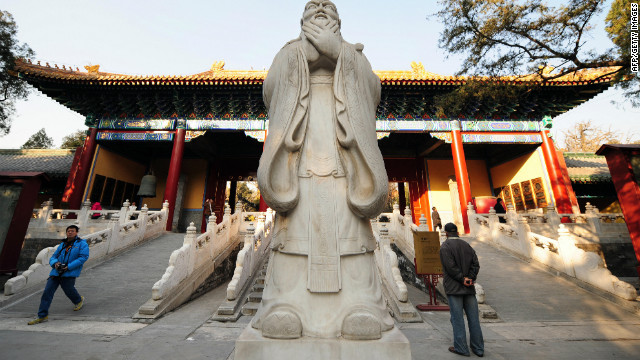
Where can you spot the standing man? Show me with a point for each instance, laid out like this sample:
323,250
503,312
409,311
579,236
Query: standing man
500,210
66,263
435,217
208,209
460,266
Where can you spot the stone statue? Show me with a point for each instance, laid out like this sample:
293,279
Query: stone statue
323,173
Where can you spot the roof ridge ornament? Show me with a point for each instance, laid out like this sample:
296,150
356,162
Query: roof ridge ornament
92,69
217,66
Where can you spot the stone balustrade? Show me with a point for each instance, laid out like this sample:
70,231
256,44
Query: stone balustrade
192,264
116,235
558,251
387,262
256,244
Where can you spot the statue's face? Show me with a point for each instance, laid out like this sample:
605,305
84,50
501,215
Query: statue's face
321,11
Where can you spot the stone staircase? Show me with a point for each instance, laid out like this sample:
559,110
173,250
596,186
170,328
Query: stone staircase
255,296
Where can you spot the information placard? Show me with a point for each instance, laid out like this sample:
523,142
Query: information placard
427,248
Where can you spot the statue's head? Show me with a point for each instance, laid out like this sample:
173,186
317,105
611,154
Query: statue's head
321,12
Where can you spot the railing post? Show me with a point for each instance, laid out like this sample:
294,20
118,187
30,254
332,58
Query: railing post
384,237
553,218
423,223
114,224
249,239
512,216
471,216
211,224
566,249
238,208
190,239
123,211
46,212
523,236
83,216
144,214
593,219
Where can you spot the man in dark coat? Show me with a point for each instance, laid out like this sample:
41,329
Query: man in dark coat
460,266
435,217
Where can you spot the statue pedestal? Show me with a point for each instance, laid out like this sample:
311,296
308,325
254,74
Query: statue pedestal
252,346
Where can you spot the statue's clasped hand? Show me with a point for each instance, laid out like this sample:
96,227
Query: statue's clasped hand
324,37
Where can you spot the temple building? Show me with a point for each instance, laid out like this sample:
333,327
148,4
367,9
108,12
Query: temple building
197,133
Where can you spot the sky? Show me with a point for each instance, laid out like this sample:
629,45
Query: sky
187,37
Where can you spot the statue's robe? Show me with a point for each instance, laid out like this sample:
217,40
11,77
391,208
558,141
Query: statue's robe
323,173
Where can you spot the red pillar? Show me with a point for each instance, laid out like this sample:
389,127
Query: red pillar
627,189
567,182
419,194
462,176
560,194
74,190
171,190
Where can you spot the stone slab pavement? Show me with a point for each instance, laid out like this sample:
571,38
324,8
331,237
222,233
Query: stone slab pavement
541,316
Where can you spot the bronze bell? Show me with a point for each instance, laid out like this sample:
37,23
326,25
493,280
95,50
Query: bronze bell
147,186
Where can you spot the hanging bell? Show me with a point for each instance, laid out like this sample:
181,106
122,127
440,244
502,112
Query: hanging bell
147,186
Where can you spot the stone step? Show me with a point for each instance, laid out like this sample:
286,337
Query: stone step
260,279
250,309
255,297
258,287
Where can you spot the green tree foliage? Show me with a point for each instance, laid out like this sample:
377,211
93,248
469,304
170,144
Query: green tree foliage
249,197
507,37
73,140
618,28
39,140
11,88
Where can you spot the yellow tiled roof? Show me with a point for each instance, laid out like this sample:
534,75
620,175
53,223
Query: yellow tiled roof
217,75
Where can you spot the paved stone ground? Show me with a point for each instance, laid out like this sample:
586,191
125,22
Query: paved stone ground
541,316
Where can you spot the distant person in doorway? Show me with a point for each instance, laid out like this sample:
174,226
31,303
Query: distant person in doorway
133,207
499,208
208,209
96,206
66,263
435,218
460,267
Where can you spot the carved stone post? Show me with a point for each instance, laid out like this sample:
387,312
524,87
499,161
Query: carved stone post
212,225
249,239
593,219
455,203
190,240
45,214
114,239
83,216
512,216
523,236
238,208
474,227
566,249
423,223
124,211
553,218
142,219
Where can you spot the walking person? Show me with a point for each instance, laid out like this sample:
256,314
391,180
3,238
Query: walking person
435,218
460,267
66,263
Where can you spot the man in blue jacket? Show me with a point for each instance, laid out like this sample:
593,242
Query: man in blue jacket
66,263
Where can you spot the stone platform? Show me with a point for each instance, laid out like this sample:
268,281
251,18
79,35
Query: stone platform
252,346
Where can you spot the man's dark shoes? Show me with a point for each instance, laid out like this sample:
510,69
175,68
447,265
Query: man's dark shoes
478,355
453,350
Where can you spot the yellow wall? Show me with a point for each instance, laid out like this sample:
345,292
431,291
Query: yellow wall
524,168
196,174
441,170
112,165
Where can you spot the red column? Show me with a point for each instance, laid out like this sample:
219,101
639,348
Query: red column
560,194
567,181
462,176
419,194
627,189
75,188
171,189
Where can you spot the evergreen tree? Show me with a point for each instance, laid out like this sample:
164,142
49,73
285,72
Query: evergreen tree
11,88
73,140
39,140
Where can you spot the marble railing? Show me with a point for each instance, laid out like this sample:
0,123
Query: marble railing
104,243
387,262
199,254
558,252
256,243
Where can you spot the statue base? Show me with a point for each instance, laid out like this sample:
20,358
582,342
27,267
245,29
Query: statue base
251,345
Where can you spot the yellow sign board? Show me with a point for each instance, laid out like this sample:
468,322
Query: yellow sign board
427,248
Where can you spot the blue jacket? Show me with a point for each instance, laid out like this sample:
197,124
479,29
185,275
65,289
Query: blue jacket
74,259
